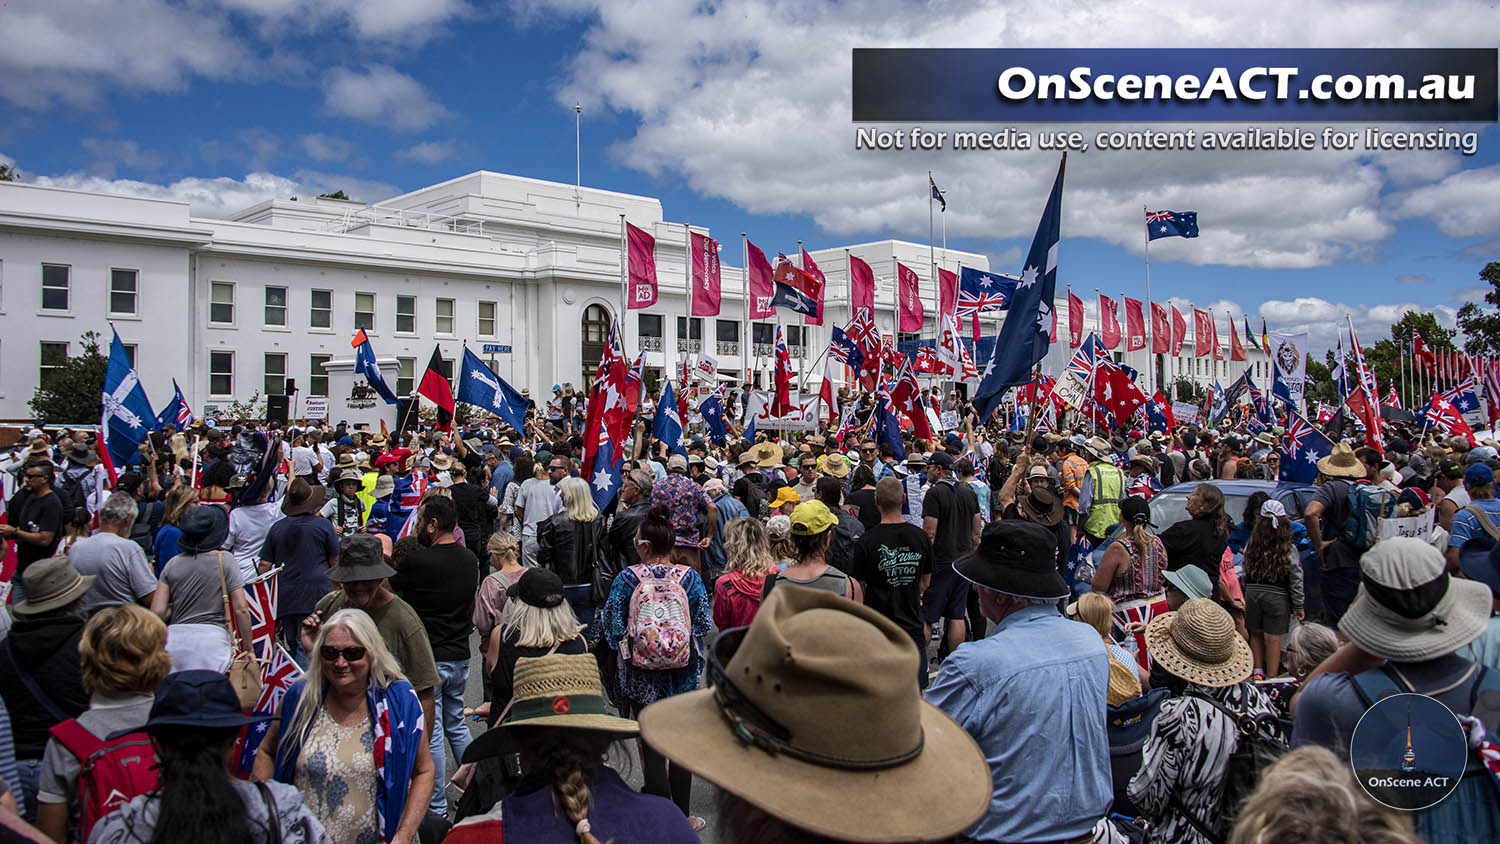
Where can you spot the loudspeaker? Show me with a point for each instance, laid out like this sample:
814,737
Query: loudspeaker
291,386
406,414
277,408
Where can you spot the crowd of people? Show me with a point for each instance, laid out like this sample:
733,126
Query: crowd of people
1088,666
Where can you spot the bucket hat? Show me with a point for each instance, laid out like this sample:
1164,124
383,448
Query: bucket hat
814,703
1098,448
348,473
1017,558
1408,608
195,698
440,462
50,584
561,691
833,465
1198,643
384,485
360,558
82,455
1190,581
1341,463
204,528
302,498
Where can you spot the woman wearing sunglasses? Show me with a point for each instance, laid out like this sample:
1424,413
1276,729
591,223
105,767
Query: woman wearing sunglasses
350,736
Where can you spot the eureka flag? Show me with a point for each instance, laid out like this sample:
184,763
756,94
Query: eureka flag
126,417
480,386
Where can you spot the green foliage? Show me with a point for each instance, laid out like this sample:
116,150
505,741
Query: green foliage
1320,385
338,194
71,393
1481,325
254,409
1189,391
9,173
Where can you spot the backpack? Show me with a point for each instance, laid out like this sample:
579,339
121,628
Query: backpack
1368,504
74,496
1259,744
111,771
658,632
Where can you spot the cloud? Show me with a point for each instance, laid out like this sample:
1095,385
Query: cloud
1413,278
1325,323
108,154
1475,294
222,196
406,22
381,95
428,152
750,103
1461,205
326,147
254,148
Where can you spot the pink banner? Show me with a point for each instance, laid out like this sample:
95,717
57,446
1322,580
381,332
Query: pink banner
910,299
1109,322
1161,330
640,290
861,285
1135,326
760,273
706,289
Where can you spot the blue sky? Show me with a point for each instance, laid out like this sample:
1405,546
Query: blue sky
736,114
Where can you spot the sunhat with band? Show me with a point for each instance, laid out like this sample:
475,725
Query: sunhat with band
1198,643
556,690
51,584
812,716
1341,463
1408,608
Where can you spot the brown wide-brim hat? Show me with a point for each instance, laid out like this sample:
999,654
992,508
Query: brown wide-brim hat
1198,643
766,455
1098,448
302,498
51,584
1042,506
837,676
1341,463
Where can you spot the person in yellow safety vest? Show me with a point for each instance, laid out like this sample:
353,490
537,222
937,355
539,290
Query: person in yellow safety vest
1103,490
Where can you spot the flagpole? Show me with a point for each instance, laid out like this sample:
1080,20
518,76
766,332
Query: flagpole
745,336
849,295
1150,356
624,276
937,286
802,347
687,277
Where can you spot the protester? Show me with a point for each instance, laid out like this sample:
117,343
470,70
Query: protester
1031,694
179,500
862,495
193,591
1474,530
1310,644
536,501
848,530
620,551
41,681
892,562
352,701
532,626
729,509
812,529
76,528
659,655
122,659
737,593
1034,500
122,574
504,554
1199,541
344,509
475,512
1273,586
34,520
1127,678
305,546
950,518
194,723
570,542
1102,491
1325,517
248,525
1131,567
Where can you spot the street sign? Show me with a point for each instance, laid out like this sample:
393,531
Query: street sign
496,349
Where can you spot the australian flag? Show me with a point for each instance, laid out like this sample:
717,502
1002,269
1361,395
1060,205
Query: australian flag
125,414
479,386
1171,224
1156,420
1460,395
364,364
176,413
1027,332
1083,362
278,674
1305,446
665,426
979,291
712,410
843,348
888,427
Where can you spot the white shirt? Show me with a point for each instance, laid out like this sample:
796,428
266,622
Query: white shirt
248,526
304,459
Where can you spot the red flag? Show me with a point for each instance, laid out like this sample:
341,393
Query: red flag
761,285
910,296
1236,349
906,396
1075,321
947,292
1115,392
1165,407
810,267
1051,335
781,404
705,274
1203,329
826,394
1423,352
1161,330
1135,326
436,389
1109,322
1362,395
640,289
1443,416
1218,350
1179,330
861,285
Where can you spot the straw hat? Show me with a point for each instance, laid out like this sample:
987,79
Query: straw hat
766,454
1341,463
1098,448
833,465
440,462
1408,608
1199,644
556,690
814,703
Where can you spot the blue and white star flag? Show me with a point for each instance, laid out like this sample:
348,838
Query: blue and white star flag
481,387
666,427
125,414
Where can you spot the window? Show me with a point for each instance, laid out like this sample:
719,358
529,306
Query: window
594,331
444,316
727,331
321,315
55,287
650,325
364,311
689,329
406,314
406,376
275,374
901,337
762,333
130,353
486,319
221,373
122,291
221,303
318,383
53,357
795,334
276,306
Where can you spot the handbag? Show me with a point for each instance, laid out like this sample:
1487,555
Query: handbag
244,669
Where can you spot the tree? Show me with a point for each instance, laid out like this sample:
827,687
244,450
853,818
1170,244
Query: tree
9,173
338,194
1188,391
1481,326
1320,386
1391,359
69,393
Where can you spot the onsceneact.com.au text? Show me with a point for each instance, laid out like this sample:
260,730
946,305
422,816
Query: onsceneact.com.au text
1253,83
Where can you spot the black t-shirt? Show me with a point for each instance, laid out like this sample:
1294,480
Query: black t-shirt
864,501
954,505
439,582
890,560
35,515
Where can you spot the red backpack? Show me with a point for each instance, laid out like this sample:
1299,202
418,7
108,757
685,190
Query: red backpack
111,771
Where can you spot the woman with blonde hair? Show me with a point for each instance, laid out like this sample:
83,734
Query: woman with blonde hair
569,543
352,701
747,552
123,657
1308,796
179,500
504,554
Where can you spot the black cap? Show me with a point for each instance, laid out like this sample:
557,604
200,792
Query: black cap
942,459
539,588
1136,511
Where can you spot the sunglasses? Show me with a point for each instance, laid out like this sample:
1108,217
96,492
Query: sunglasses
34,477
354,653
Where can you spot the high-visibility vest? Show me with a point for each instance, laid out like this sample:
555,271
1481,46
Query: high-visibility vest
1104,505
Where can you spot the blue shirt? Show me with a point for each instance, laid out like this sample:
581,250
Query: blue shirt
1466,524
500,478
1033,695
730,509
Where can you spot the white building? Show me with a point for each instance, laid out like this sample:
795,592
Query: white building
525,272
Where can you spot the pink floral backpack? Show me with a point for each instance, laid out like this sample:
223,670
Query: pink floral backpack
658,632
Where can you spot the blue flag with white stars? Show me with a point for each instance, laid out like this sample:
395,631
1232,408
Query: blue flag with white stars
481,387
1171,224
